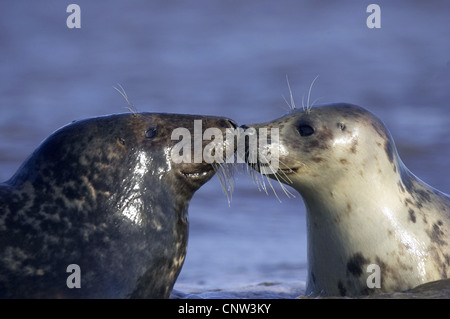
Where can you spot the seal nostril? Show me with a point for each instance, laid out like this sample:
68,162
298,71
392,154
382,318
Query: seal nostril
234,124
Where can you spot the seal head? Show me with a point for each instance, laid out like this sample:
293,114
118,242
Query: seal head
105,194
364,207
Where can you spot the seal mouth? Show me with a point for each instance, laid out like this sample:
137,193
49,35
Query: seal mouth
198,176
290,170
282,171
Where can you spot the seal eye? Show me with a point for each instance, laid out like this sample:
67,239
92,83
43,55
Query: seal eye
151,132
305,130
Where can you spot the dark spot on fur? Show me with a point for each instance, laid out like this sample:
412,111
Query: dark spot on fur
385,270
343,161
412,215
407,180
423,195
408,202
324,135
437,235
70,192
355,264
341,288
353,148
379,128
419,195
46,172
313,144
349,111
313,277
389,150
444,271
317,159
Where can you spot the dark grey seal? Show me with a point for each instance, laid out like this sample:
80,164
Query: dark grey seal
104,194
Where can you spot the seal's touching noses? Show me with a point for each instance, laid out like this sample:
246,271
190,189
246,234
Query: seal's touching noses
107,195
365,209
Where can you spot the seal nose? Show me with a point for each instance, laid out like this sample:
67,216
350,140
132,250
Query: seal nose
233,124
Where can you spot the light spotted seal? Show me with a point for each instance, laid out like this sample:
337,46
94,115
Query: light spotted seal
104,194
363,205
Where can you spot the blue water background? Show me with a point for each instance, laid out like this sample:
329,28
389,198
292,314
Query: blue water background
230,58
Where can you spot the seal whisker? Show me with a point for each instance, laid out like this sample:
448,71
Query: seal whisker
219,172
292,102
258,178
252,170
228,171
273,189
288,194
290,108
285,190
285,177
277,177
226,179
309,106
314,102
259,183
122,92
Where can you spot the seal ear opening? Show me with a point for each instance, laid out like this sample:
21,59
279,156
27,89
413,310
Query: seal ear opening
341,126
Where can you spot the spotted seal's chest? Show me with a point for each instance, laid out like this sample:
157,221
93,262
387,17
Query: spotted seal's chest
128,252
407,243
